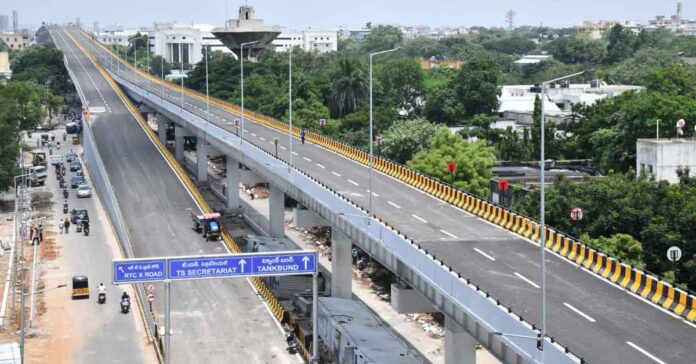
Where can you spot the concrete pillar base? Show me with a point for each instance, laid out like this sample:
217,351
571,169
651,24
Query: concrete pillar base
460,347
341,265
232,201
276,212
201,161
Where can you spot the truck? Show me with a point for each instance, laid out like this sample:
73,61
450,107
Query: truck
39,159
38,175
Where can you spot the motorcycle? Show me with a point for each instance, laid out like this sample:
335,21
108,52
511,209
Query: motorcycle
101,298
292,343
65,208
66,193
85,229
125,305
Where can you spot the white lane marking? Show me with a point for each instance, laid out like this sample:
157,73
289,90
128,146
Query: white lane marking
353,182
419,218
294,153
246,131
484,254
282,147
262,138
307,159
393,204
449,234
586,316
644,352
336,174
373,194
320,166
527,280
252,134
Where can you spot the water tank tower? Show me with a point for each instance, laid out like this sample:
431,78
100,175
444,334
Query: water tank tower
246,29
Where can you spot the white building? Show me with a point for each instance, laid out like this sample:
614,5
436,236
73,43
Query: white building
116,37
184,43
533,59
662,157
517,101
317,40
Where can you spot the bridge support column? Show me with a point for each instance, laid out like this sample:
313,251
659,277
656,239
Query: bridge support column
341,265
232,202
179,134
460,347
202,148
276,212
162,124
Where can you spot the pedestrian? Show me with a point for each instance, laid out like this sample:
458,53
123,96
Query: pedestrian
40,231
60,226
38,142
302,135
66,224
31,231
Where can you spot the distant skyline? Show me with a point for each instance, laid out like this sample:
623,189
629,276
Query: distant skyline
300,14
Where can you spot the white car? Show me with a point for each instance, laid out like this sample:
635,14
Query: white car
84,191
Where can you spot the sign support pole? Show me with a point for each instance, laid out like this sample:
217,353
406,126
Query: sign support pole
315,323
167,323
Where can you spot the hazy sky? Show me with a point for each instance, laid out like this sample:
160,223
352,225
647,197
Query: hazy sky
299,14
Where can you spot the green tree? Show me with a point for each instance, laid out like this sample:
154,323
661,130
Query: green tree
622,246
621,44
635,70
9,145
515,44
406,138
477,86
441,104
348,88
42,65
383,37
511,148
474,161
159,66
577,50
404,79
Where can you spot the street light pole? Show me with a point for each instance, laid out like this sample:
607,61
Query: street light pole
290,105
241,74
542,212
371,128
207,92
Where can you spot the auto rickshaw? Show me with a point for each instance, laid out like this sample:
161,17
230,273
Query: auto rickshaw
75,140
209,225
80,287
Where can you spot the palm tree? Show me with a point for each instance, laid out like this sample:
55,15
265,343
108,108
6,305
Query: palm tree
348,87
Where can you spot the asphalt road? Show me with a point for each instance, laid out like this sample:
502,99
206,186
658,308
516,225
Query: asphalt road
597,320
213,321
106,335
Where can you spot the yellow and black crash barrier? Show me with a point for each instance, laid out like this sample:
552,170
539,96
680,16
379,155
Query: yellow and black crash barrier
641,283
259,284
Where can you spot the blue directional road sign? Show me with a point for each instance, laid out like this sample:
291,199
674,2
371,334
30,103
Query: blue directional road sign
241,265
139,270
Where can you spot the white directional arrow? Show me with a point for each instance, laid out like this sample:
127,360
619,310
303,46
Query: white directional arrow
120,268
305,259
242,263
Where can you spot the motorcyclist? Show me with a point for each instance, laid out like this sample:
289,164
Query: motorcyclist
102,289
125,296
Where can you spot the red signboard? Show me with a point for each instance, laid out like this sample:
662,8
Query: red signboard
503,184
451,167
576,214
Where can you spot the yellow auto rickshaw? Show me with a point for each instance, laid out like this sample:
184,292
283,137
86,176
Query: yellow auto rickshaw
80,287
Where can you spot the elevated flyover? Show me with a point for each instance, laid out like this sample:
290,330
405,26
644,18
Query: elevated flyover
213,321
597,318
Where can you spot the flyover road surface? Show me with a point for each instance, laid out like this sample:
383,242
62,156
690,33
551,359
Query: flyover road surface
597,320
213,321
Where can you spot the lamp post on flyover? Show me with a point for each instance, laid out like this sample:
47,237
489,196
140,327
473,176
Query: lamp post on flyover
241,75
290,105
369,208
542,211
207,92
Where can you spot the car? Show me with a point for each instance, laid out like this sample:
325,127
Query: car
75,166
71,157
77,215
84,191
56,160
76,181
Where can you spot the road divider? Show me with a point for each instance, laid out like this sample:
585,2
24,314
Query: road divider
662,293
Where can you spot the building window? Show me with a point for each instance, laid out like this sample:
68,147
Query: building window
650,169
642,166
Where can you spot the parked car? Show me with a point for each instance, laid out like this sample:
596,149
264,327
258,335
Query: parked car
77,215
75,166
76,181
84,191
